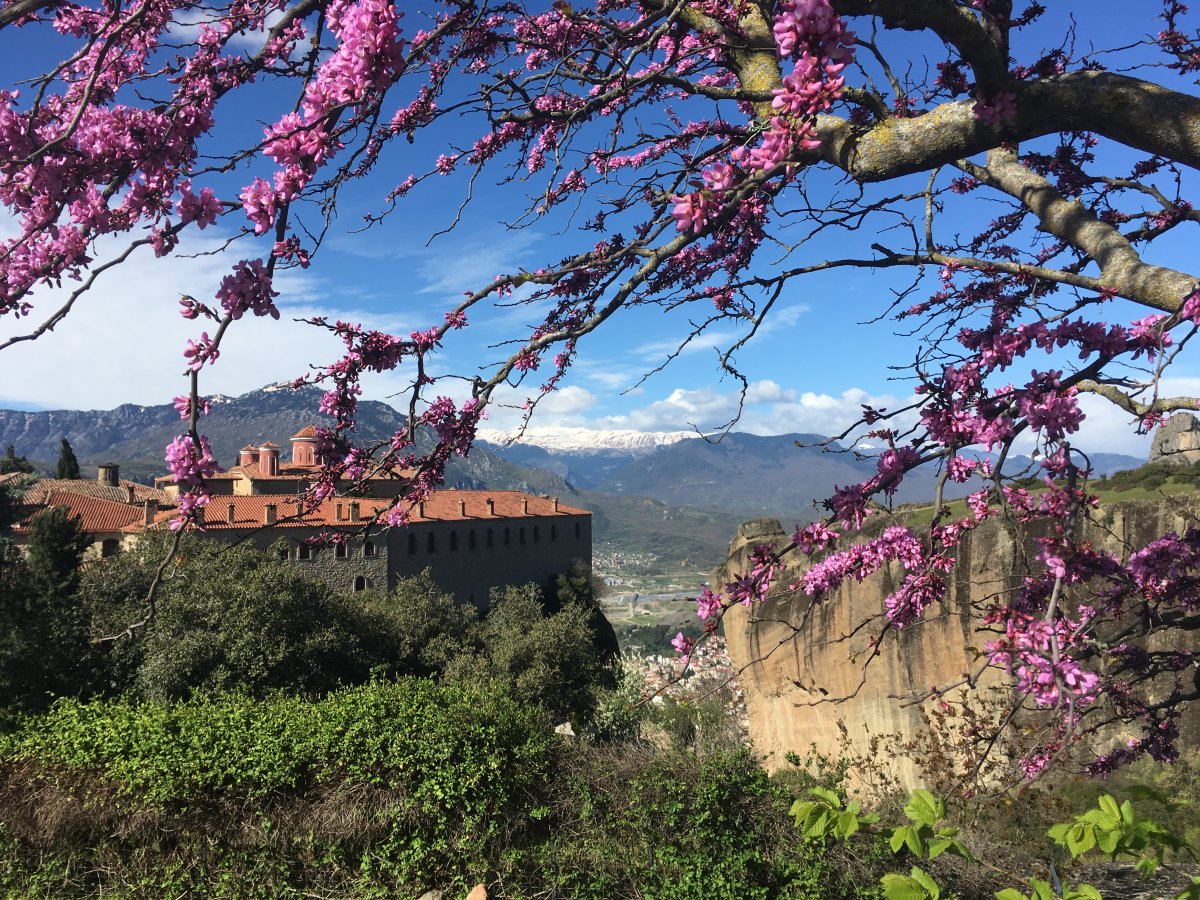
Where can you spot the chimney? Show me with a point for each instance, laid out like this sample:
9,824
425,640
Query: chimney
109,473
524,506
462,508
421,509
130,494
491,506
269,514
229,516
554,500
353,512
149,511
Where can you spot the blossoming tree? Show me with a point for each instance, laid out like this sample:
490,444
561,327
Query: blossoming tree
693,133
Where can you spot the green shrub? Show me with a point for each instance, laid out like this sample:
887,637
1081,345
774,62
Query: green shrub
389,789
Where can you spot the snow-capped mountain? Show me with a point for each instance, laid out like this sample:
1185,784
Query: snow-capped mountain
585,440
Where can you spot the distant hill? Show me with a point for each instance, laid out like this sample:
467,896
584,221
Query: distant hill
135,436
676,496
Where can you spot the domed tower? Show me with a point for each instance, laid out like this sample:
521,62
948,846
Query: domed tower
304,446
268,458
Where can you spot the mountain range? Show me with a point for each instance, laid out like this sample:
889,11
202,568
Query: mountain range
676,496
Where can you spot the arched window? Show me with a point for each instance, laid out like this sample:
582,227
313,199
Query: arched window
453,541
576,531
283,551
304,552
340,550
368,548
522,535
553,532
507,535
360,583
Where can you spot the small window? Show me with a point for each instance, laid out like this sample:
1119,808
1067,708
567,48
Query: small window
507,535
453,541
368,548
576,531
537,536
554,532
471,539
522,535
283,552
304,552
412,543
109,547
340,550
431,544
490,538
360,583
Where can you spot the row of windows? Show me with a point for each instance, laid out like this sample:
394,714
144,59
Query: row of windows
340,551
489,538
343,550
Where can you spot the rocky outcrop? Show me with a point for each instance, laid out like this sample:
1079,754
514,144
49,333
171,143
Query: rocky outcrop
1177,441
811,671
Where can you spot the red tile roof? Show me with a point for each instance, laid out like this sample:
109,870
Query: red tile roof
39,490
308,431
96,514
443,506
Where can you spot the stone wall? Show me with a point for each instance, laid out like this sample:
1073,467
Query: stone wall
805,669
468,558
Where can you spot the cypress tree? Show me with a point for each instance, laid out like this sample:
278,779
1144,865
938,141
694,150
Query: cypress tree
13,463
68,465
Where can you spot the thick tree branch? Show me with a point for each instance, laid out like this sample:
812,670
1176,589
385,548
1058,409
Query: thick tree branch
1118,397
954,24
1121,268
1136,113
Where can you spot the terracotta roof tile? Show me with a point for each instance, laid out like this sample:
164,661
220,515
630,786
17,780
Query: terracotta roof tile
96,514
39,490
308,431
443,506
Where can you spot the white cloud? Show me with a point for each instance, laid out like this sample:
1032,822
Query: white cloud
188,22
123,341
768,408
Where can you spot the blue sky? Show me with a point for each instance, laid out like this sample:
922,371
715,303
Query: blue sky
809,369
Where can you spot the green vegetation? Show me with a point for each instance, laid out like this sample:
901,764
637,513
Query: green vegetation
10,462
387,789
266,737
68,465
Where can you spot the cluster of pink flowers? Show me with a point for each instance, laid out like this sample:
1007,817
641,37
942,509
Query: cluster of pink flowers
812,33
1028,650
183,405
248,288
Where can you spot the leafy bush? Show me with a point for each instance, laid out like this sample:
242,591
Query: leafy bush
240,619
537,659
44,646
388,789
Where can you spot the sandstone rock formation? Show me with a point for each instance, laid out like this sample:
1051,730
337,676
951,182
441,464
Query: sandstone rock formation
807,671
1177,441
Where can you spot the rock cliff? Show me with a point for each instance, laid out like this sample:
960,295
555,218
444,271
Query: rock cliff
1177,442
807,671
